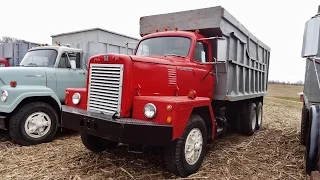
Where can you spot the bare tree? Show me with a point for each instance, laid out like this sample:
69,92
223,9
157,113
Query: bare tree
7,39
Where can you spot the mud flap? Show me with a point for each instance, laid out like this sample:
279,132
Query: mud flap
313,140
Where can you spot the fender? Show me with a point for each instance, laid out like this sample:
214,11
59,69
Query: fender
312,155
172,110
20,92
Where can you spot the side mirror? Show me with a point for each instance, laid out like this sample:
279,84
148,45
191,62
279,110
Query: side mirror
73,64
311,41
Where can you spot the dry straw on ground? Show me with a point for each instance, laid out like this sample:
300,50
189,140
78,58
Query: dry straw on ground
272,153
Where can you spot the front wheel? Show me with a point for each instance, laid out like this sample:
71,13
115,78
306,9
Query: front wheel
33,123
304,125
312,145
186,154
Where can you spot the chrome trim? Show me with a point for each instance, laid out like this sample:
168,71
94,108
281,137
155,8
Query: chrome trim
105,88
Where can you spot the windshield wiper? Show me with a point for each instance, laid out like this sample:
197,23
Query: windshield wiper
174,55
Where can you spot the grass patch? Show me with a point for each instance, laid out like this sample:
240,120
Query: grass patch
297,99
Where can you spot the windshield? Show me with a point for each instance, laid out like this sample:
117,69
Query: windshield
164,46
40,58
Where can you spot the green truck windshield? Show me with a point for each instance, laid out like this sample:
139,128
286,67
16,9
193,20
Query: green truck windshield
40,58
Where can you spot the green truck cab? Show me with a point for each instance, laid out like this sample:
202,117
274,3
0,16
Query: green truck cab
32,94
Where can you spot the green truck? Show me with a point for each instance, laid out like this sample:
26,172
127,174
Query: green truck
32,94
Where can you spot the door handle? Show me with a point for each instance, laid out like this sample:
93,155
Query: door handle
82,73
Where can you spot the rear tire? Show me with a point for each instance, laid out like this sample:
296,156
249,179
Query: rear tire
259,115
304,125
97,144
176,155
249,122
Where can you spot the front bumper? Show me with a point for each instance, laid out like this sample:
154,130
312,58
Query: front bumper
123,130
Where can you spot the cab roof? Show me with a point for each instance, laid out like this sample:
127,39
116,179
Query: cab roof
58,48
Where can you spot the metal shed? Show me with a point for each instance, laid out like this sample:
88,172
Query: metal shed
96,41
15,51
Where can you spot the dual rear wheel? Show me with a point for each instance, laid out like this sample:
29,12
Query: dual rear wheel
252,119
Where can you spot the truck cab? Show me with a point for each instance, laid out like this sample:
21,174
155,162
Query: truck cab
32,94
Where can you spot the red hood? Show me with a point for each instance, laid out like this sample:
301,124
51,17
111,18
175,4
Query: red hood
168,60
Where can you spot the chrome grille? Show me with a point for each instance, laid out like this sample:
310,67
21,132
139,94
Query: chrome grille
105,88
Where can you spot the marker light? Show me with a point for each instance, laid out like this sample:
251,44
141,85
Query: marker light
192,94
13,83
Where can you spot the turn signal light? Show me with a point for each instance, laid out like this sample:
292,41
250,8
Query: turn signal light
192,94
13,83
169,120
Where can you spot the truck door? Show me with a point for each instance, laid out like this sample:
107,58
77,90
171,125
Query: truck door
67,77
203,75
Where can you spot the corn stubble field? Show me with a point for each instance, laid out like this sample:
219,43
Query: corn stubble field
274,152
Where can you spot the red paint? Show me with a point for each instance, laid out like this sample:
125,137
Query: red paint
83,97
146,79
182,108
4,62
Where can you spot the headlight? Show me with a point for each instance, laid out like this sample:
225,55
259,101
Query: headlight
76,98
150,110
4,95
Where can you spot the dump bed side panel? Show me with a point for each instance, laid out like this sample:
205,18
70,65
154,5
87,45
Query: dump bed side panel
244,73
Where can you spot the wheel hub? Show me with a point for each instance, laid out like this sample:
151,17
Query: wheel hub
193,146
37,125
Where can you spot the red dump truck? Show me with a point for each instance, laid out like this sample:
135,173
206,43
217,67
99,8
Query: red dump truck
193,74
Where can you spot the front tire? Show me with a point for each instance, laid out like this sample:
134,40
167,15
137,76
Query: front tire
33,123
97,144
186,154
304,125
312,145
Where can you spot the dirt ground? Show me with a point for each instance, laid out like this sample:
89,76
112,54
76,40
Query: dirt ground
274,152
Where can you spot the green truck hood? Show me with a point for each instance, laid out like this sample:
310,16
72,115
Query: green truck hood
23,75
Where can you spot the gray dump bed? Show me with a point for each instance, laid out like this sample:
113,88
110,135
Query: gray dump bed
244,74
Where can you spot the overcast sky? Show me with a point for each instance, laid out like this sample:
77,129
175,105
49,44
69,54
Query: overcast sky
279,24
